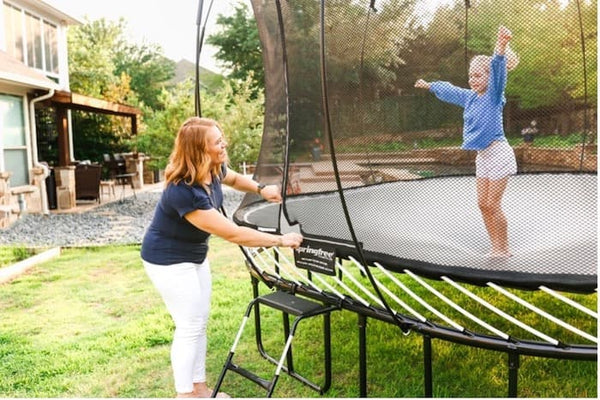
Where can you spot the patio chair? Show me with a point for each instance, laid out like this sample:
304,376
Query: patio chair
87,181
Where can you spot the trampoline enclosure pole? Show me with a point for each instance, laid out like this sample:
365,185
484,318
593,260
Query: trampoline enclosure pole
362,354
427,366
513,373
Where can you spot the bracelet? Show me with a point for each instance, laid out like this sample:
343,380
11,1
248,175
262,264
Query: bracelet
260,187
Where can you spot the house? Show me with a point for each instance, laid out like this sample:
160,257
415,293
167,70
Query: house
34,73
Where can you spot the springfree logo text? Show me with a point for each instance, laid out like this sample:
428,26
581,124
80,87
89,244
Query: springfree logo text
328,255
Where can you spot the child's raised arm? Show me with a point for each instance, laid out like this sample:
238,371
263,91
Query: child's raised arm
503,47
504,36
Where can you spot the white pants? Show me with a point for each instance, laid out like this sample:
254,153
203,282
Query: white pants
185,289
496,161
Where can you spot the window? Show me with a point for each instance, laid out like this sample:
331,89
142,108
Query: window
50,47
13,143
31,39
13,32
33,28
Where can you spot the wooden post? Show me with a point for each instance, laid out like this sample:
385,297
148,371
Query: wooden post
62,127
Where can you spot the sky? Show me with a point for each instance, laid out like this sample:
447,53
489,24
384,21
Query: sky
170,24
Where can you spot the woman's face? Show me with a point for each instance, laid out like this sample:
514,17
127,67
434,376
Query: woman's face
216,146
478,76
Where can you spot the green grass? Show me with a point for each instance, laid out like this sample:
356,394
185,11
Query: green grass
12,254
90,324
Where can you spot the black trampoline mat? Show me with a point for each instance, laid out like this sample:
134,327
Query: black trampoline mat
434,226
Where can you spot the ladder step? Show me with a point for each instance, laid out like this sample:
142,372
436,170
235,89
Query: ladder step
266,384
290,304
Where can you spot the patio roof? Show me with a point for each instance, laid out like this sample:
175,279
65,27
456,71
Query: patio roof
64,101
81,102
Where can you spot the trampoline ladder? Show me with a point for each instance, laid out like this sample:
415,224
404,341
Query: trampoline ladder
288,304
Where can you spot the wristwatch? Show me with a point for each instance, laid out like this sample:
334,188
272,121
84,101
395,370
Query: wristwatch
260,187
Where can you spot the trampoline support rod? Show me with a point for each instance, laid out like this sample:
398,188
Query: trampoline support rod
427,366
362,354
513,373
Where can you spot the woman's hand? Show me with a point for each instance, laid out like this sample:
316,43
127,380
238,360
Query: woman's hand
292,240
271,193
422,84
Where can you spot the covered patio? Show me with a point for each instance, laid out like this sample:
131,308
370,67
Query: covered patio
67,174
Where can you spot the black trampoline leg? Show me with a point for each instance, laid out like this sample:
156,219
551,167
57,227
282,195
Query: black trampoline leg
362,354
513,371
427,366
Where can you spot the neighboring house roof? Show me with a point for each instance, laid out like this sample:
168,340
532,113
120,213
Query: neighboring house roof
15,72
185,69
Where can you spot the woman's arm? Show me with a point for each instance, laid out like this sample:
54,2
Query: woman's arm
245,184
215,223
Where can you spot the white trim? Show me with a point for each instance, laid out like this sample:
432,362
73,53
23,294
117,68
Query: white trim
11,272
21,80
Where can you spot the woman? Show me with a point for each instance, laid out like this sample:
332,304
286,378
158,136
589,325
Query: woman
175,245
483,131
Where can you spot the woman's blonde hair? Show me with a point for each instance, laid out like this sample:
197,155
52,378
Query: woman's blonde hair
189,161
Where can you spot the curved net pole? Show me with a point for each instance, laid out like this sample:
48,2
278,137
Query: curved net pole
585,86
327,119
361,83
199,41
286,157
467,6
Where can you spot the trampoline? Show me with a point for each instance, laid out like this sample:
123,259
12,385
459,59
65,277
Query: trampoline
368,170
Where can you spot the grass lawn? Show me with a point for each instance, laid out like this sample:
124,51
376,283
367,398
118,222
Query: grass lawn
90,324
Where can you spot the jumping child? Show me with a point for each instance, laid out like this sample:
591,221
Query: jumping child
483,131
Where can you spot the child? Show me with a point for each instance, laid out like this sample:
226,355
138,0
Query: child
483,131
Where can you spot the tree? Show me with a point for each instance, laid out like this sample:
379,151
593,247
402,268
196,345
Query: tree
239,46
104,65
91,56
233,105
148,68
239,109
93,73
162,124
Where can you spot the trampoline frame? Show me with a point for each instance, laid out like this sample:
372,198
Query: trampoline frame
269,269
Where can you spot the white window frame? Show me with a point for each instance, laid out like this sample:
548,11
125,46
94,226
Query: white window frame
43,22
26,147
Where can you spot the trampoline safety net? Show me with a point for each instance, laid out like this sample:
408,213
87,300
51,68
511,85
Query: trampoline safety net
361,151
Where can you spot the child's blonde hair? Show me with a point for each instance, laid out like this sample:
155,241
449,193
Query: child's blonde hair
512,60
481,60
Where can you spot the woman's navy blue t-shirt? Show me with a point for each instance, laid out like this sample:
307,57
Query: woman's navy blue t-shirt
170,238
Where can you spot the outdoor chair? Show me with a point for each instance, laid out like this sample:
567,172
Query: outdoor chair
114,165
87,181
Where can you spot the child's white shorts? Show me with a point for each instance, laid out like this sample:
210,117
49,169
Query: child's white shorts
496,161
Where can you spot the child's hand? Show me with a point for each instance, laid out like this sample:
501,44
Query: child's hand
422,84
504,35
